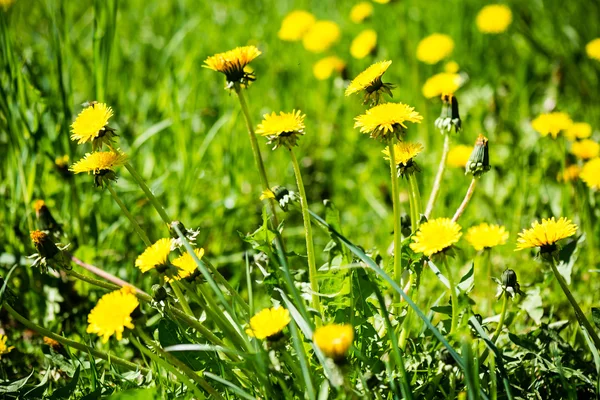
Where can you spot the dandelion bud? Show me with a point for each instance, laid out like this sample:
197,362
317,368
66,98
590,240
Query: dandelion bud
44,244
479,162
159,293
509,284
172,230
449,119
283,196
46,221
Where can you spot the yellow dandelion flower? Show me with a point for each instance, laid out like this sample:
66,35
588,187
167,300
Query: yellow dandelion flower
62,162
269,323
485,236
434,48
593,49
112,314
92,123
590,174
494,18
441,84
38,237
570,174
38,205
4,349
283,129
404,152
435,236
155,256
551,123
186,265
385,119
295,25
363,44
578,130
233,64
451,67
546,234
370,81
267,194
585,149
361,11
459,155
99,162
51,342
334,340
6,3
382,1
324,68
321,36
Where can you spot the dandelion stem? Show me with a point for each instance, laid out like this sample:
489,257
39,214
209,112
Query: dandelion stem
414,192
312,266
502,318
438,177
136,226
453,297
103,274
71,343
153,200
181,298
396,207
463,206
581,318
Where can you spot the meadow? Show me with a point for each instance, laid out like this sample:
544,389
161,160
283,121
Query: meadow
299,199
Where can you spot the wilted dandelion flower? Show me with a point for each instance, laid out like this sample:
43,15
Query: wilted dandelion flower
370,81
440,84
551,123
485,236
186,265
100,163
545,234
569,174
363,44
295,25
494,18
578,130
451,67
590,174
326,66
44,217
585,149
434,48
233,64
269,323
283,129
404,154
44,245
334,340
361,11
459,155
51,342
112,314
479,161
91,125
593,49
386,119
435,236
321,36
155,256
4,349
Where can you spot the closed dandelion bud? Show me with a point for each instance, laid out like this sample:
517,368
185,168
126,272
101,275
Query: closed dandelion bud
479,162
283,196
159,293
405,225
449,119
44,218
44,244
179,226
508,284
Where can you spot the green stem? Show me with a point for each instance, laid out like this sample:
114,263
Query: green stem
103,274
414,190
221,280
406,323
181,298
140,181
396,207
136,226
71,343
583,321
312,266
463,206
438,177
502,318
453,297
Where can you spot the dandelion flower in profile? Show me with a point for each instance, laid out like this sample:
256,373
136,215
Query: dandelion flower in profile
590,174
295,25
593,49
267,194
440,84
4,349
570,174
387,119
363,44
370,82
186,265
269,323
112,314
283,129
321,36
485,236
494,18
361,11
434,48
459,155
404,154
546,234
435,236
101,164
155,256
233,65
91,125
578,130
324,68
585,149
334,340
451,67
551,123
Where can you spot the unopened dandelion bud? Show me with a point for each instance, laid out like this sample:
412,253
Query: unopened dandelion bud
284,197
479,162
159,293
172,230
449,119
48,253
44,244
509,284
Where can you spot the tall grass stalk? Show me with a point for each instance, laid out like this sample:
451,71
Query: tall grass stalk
130,217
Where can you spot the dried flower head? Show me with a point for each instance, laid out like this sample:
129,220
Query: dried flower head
449,120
